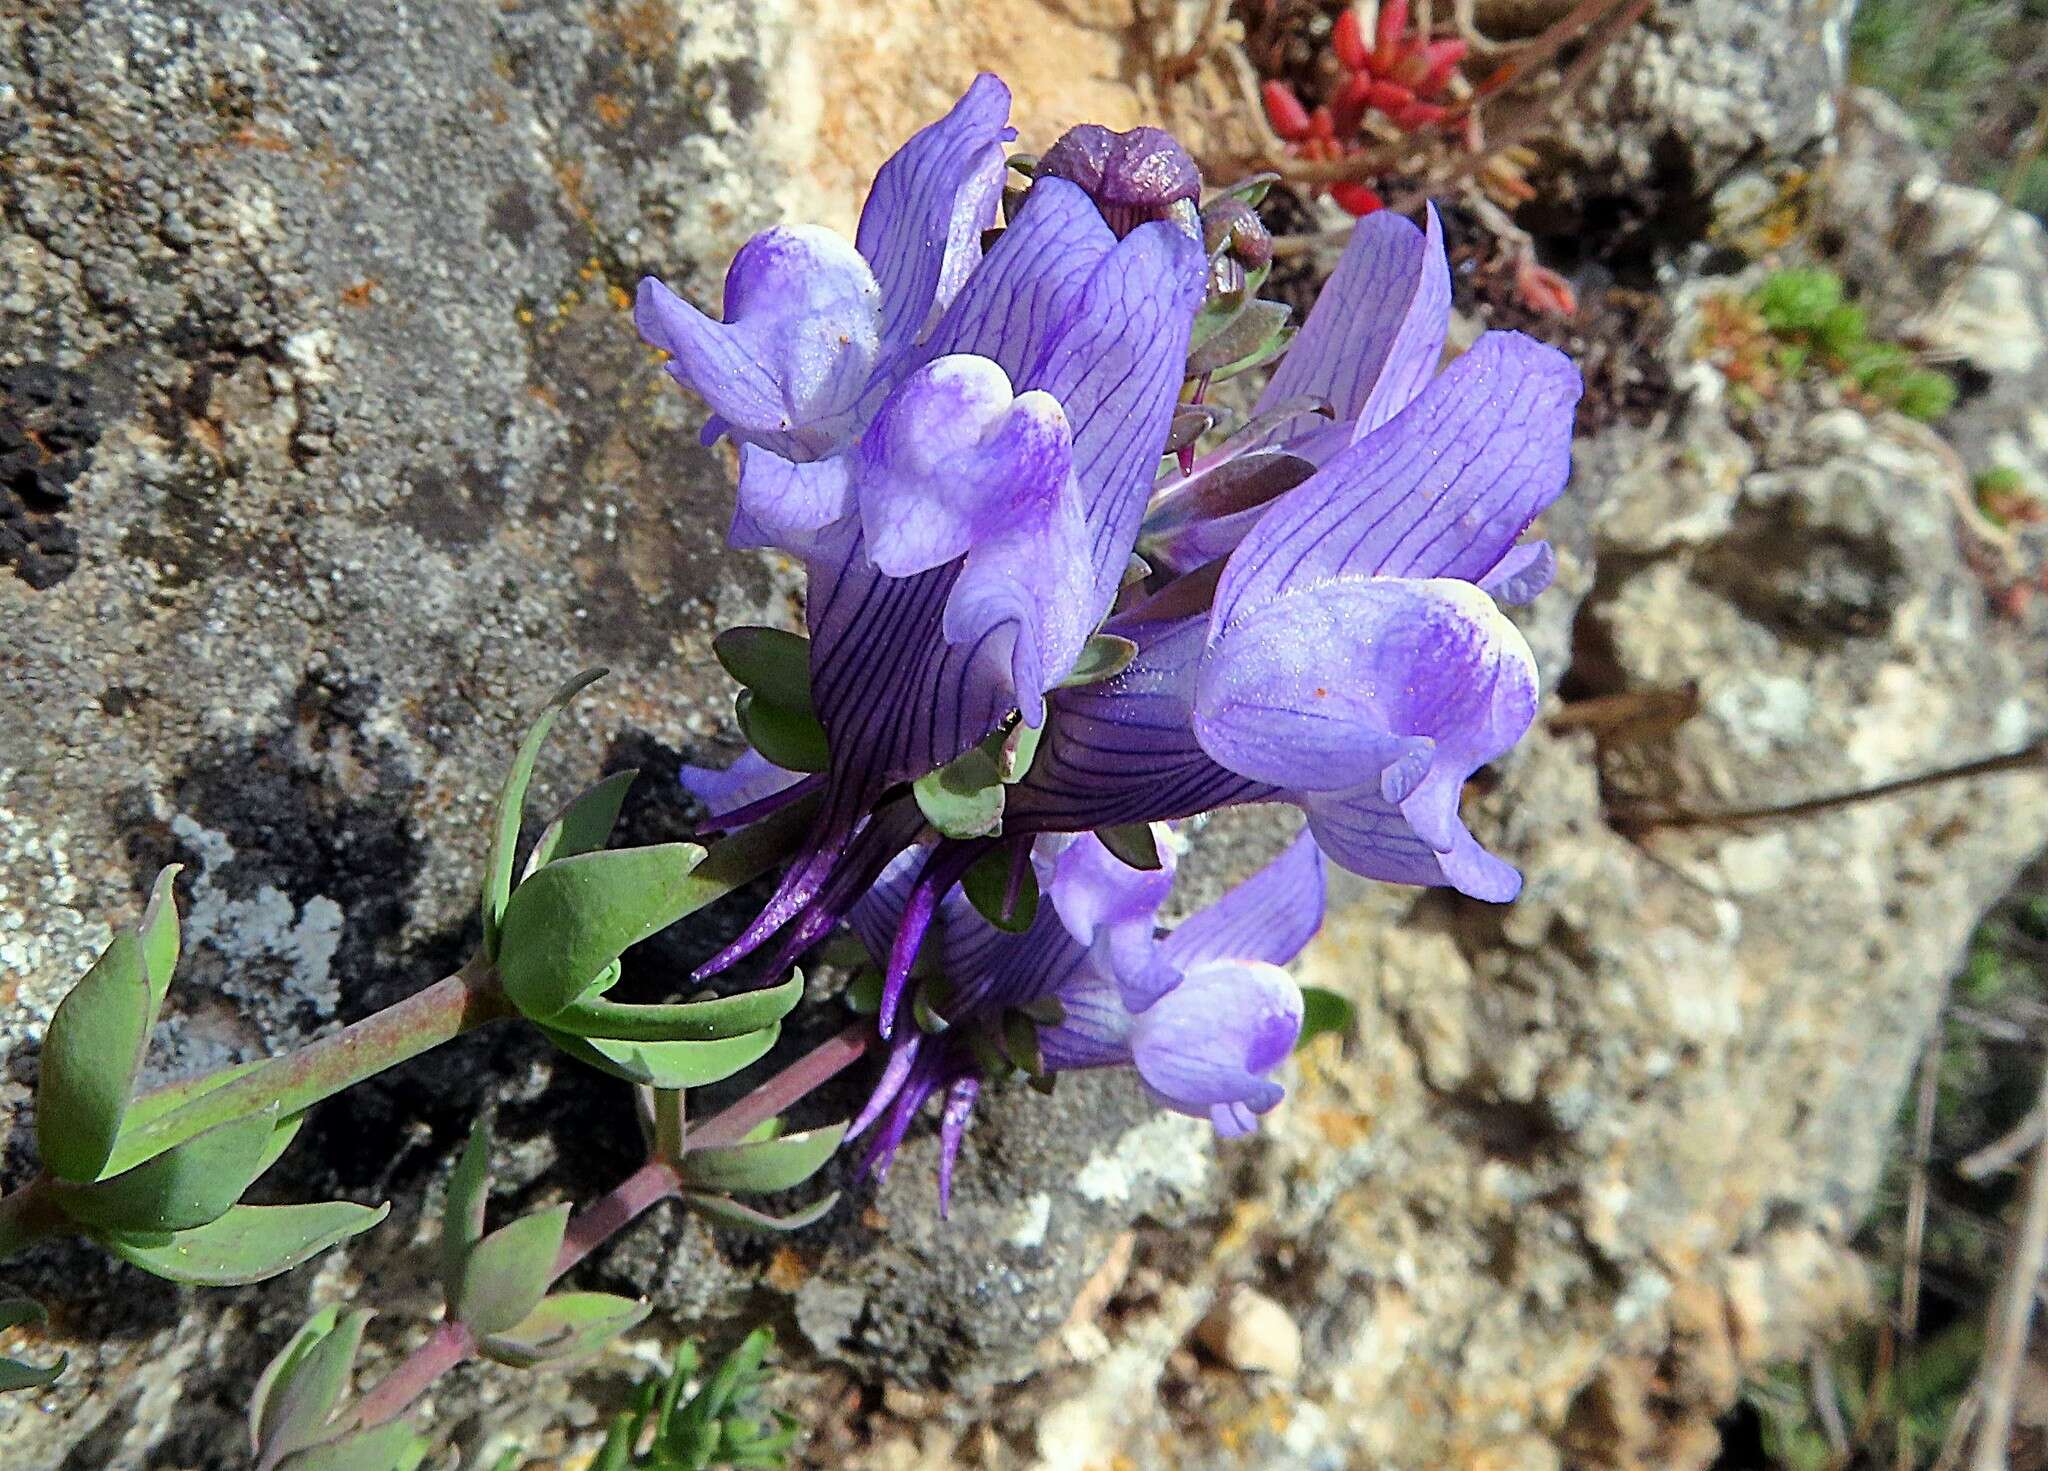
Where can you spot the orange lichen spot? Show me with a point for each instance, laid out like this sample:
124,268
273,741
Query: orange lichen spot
622,299
358,295
610,110
525,316
269,140
874,1219
786,1270
647,29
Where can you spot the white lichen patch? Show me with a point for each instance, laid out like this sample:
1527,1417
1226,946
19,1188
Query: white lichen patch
1171,1152
1025,1226
266,925
47,939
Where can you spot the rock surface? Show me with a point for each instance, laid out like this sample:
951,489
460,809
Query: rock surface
343,452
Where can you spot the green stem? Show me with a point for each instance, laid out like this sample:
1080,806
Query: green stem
26,1217
442,1012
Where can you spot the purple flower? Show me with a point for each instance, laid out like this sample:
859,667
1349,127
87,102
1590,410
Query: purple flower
1133,177
1204,1015
959,448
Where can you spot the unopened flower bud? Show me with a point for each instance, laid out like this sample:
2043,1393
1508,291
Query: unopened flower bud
1235,225
1132,177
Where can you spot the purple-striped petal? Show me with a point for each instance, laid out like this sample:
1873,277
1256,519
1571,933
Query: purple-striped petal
1374,336
789,504
1212,1040
1269,917
1110,907
1522,574
1362,831
1441,490
750,779
921,227
797,348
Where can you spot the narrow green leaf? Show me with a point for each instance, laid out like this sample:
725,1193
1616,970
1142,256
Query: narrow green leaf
159,933
505,1274
773,663
294,1405
1244,335
280,1140
462,1220
381,1448
564,1325
129,1148
512,804
668,1064
1274,347
584,825
761,1169
1322,1012
963,798
1133,843
616,1454
727,1212
91,1053
987,886
1104,656
697,1021
574,918
16,1312
251,1243
1020,1043
281,1370
789,738
182,1188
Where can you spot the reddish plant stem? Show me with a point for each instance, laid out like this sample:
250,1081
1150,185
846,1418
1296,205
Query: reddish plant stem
447,1346
822,1063
615,1210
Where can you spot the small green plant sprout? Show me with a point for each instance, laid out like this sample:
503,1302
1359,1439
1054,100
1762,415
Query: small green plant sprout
1806,310
2004,494
695,1419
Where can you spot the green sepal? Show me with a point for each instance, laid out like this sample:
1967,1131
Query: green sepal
765,1167
989,1055
584,825
572,919
772,662
469,1191
790,738
159,931
298,1393
184,1187
504,1275
565,1325
863,994
251,1243
1134,844
987,887
91,1054
1020,1043
728,1212
1252,189
668,1064
14,1373
1047,1011
1104,656
681,1021
394,1446
497,889
1019,748
1324,1011
1267,351
963,798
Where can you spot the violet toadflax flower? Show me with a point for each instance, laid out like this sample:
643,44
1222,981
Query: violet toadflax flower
1207,1044
958,447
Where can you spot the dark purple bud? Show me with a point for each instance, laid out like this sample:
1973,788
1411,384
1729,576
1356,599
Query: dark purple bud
1132,177
1234,225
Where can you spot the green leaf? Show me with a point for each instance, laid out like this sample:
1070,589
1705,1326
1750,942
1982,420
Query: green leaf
251,1243
385,1447
668,1064
159,933
963,798
574,918
863,993
699,1021
773,663
566,1325
184,1187
298,1393
761,1169
745,1218
504,1275
91,1053
469,1189
1131,842
147,1108
1104,656
15,1374
512,803
790,738
1322,1012
1273,348
1248,333
584,825
987,886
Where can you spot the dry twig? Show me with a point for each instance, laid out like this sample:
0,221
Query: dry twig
2012,1313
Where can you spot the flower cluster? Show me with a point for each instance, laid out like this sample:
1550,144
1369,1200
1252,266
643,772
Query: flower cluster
1056,601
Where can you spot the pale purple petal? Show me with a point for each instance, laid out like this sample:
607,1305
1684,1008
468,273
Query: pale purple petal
1441,490
1376,331
1093,889
750,779
788,503
1022,603
1522,574
954,458
1095,1031
1269,917
1363,832
921,227
1215,1037
797,347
